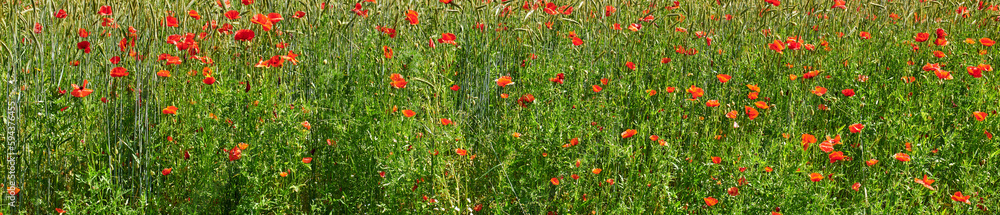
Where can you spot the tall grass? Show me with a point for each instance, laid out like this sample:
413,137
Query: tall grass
84,155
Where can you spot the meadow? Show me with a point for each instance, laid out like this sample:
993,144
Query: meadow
500,107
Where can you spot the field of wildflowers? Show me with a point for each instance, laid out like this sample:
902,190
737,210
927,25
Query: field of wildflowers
500,107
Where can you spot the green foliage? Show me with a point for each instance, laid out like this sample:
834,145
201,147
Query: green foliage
106,153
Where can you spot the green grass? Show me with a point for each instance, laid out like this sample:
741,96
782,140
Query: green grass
88,156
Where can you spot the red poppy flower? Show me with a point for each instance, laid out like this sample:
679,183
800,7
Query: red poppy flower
596,170
105,10
716,160
777,46
108,22
985,67
555,181
445,121
448,38
60,14
84,45
244,35
194,15
60,210
793,43
980,116
865,35
806,140
503,81
305,124
709,200
836,156
839,4
871,162
986,42
630,65
847,92
235,153
902,157
461,152
170,21
167,171
975,72
628,133
559,78
940,42
943,75
938,54
723,78
819,91
12,190
733,191
732,114
526,99
387,52
925,182
931,67
577,41
299,14
409,113
263,20
275,17
940,33
357,10
226,28
307,160
810,74
455,87
232,14
411,16
695,92
596,88
712,103
922,36
208,80
761,105
958,197
119,72
826,146
773,2
751,112
608,10
397,81
815,177
665,60
170,110
81,91
634,27
856,127
856,186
